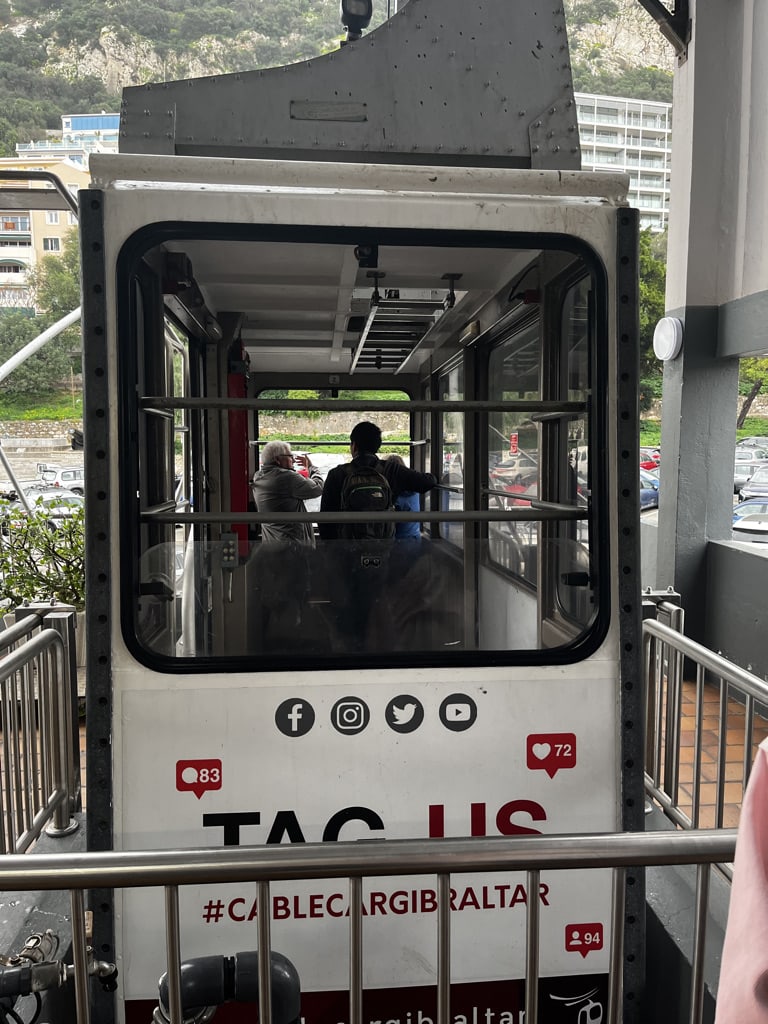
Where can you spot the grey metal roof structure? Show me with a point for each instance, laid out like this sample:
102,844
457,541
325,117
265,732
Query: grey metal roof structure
486,83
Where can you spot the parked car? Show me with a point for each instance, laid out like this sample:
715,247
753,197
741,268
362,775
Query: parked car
753,507
514,470
757,487
57,503
752,528
746,462
650,458
70,477
752,442
649,490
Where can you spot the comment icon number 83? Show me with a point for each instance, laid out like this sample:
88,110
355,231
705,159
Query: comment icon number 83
198,776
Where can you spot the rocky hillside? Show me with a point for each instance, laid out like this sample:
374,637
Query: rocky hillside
72,56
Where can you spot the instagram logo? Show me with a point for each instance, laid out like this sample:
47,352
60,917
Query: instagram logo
350,715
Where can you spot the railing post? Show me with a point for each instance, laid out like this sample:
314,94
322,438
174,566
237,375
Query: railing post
62,619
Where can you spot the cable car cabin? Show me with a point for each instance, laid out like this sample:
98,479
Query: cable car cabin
242,284
479,680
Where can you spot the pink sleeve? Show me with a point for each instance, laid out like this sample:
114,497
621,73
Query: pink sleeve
742,995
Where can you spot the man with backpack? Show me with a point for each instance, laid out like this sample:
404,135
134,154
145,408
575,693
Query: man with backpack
359,552
367,484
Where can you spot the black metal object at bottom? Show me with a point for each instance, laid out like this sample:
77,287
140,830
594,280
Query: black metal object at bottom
209,981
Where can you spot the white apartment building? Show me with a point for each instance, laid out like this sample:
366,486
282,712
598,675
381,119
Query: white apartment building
635,136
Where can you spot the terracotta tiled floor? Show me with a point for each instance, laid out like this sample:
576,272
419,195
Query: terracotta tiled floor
734,755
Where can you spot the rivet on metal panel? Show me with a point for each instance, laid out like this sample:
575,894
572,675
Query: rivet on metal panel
553,110
571,127
569,103
435,39
521,113
555,149
469,67
240,140
341,145
169,135
451,53
486,85
169,113
147,113
145,135
534,149
537,124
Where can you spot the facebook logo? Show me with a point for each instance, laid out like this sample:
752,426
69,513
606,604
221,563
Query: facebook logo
295,717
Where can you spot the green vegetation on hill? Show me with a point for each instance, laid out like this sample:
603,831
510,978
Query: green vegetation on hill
32,100
37,36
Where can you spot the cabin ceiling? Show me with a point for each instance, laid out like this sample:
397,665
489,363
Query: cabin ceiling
318,308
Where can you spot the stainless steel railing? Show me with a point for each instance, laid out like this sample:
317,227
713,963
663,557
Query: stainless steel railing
665,651
355,861
39,754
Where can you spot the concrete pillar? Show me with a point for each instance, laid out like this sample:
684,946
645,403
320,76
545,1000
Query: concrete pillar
717,271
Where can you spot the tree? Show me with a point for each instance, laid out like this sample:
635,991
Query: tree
753,373
55,281
54,286
653,277
44,370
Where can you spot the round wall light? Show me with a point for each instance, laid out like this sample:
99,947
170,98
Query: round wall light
668,338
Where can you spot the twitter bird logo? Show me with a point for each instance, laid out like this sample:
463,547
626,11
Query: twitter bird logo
404,713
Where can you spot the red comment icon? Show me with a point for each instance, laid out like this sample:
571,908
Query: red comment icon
198,776
583,938
551,751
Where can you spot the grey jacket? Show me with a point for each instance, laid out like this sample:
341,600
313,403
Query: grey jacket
284,490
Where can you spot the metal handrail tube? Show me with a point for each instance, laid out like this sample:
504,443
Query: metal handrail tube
348,405
532,914
715,663
664,651
19,631
522,514
355,950
173,953
696,792
264,950
443,948
618,903
79,952
46,648
355,861
127,869
703,872
721,754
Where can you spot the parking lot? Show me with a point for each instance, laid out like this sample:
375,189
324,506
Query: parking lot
24,463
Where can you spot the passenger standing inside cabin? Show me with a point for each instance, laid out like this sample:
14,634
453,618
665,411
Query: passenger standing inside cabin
359,553
277,487
406,501
364,443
